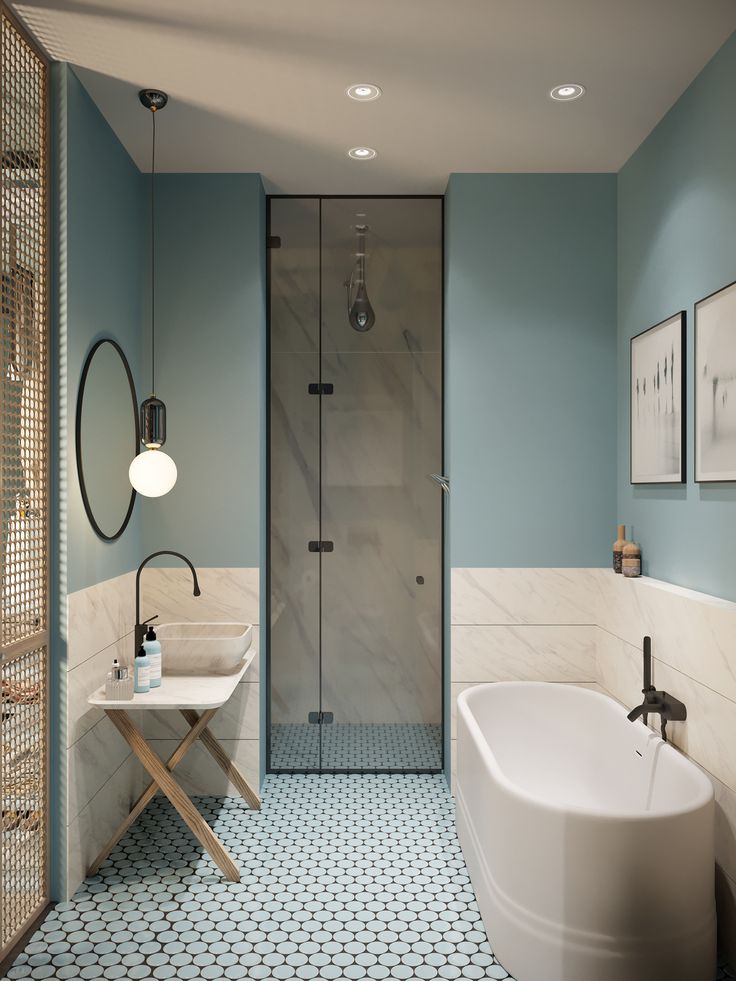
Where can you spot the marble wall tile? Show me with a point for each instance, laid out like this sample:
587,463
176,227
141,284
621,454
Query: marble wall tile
90,762
725,827
227,594
200,775
91,828
709,734
85,678
507,596
527,652
98,616
690,631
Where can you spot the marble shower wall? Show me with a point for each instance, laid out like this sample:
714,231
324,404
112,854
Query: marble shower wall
103,777
585,626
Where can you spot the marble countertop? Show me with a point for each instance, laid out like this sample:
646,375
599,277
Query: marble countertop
181,691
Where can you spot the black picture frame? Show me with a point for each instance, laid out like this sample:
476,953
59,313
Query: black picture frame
699,478
78,438
681,475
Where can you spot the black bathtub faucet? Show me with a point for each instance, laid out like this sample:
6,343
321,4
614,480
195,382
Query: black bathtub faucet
667,707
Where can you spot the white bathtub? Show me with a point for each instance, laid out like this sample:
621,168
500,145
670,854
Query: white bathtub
589,841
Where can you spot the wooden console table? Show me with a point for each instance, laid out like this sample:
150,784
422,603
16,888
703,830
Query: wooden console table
197,698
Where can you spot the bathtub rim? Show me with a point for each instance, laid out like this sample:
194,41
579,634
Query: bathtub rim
701,800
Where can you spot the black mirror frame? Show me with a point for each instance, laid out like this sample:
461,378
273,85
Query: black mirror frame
78,437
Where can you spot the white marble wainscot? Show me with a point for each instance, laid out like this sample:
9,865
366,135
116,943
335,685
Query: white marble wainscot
522,625
694,658
103,778
534,596
228,594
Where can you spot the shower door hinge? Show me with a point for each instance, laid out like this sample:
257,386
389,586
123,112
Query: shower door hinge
321,718
321,546
273,242
321,388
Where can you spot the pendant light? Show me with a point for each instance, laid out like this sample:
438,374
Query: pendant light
153,473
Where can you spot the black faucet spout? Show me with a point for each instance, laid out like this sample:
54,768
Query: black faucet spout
140,627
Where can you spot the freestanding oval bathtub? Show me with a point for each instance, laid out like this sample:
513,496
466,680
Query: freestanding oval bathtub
588,839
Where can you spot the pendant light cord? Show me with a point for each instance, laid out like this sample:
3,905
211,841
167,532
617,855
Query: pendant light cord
153,254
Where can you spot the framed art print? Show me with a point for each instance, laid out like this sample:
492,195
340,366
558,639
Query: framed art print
658,403
715,386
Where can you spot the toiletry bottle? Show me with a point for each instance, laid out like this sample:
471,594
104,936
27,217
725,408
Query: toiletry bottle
618,548
141,672
631,564
153,650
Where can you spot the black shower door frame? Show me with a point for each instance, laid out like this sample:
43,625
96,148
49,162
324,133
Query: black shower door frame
444,676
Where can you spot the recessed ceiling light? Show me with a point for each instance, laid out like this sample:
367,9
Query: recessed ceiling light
362,153
363,92
568,92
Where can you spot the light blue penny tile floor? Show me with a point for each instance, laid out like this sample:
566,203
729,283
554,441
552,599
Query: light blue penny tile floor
343,877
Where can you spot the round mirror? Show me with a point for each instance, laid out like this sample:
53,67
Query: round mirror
108,437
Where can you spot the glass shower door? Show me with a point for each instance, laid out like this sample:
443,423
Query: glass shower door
381,436
355,647
294,500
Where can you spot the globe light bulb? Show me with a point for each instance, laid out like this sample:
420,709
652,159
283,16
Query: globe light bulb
152,473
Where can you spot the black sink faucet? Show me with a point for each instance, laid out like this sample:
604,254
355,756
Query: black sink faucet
140,628
658,703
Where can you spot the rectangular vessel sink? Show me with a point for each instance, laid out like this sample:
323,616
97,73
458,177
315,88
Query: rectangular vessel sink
203,648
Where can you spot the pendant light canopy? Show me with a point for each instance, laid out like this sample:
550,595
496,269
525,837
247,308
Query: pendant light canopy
153,472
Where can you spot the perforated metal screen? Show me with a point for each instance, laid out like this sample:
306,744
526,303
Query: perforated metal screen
23,484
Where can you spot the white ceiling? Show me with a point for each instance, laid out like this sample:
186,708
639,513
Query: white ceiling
258,85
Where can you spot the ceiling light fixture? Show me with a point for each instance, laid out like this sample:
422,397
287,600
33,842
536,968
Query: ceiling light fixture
362,153
152,472
363,92
567,92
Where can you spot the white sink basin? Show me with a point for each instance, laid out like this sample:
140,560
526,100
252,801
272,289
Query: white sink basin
203,648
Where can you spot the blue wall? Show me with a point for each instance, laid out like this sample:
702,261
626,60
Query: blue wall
530,368
676,244
210,338
101,231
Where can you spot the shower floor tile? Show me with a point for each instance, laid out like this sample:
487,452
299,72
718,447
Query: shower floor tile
343,877
356,746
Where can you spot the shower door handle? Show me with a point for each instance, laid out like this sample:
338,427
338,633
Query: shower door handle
444,482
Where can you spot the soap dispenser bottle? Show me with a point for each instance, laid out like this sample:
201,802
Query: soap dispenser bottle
153,652
141,672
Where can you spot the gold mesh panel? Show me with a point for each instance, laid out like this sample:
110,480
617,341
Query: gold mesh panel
23,482
23,770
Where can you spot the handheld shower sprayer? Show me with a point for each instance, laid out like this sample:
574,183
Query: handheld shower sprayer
360,311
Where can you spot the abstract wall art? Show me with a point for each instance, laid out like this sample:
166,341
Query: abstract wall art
658,403
715,386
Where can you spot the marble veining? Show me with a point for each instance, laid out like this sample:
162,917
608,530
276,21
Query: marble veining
541,596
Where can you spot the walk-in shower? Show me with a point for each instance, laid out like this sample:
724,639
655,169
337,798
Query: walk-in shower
355,583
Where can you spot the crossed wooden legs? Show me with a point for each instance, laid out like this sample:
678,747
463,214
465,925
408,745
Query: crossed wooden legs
164,781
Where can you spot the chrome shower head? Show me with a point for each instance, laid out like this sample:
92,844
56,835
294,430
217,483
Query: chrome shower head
360,312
